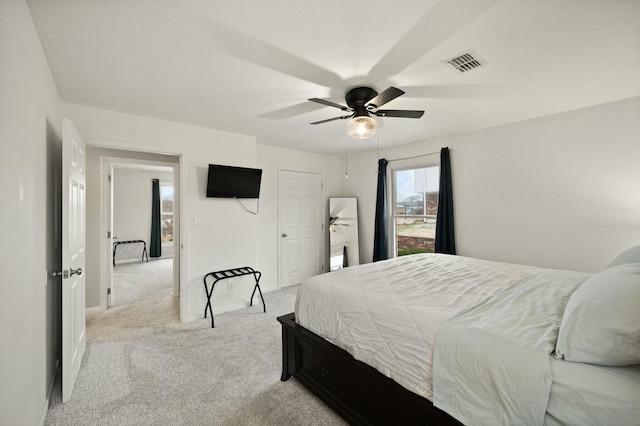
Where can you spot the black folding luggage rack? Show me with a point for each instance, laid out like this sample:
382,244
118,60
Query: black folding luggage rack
144,249
231,273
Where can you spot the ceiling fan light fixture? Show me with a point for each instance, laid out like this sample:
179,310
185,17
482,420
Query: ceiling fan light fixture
361,127
363,103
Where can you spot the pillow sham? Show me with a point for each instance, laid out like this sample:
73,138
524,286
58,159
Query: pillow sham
601,322
631,255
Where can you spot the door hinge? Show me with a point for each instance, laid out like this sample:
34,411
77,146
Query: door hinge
109,178
108,234
109,291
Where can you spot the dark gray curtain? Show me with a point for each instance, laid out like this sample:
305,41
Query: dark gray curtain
445,241
345,262
380,236
155,247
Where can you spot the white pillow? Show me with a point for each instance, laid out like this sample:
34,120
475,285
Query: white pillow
631,255
601,323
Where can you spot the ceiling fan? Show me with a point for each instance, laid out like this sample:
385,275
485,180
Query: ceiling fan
362,103
340,221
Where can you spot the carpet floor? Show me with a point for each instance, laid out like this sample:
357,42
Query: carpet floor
143,367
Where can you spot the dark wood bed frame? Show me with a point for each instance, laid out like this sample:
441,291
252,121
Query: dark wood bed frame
353,389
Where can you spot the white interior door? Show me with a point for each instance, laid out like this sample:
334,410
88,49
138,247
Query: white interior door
301,226
73,256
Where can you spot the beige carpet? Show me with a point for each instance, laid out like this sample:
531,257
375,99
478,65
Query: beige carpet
143,367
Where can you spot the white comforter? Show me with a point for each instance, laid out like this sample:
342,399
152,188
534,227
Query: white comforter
386,314
492,363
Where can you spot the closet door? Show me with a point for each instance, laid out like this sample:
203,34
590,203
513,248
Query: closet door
301,226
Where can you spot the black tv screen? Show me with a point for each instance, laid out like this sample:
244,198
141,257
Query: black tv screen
233,182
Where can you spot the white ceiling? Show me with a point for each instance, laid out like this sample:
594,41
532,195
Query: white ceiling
250,66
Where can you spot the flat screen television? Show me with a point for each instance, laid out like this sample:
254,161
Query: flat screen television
233,182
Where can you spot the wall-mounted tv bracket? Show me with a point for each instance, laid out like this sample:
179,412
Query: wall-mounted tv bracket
231,273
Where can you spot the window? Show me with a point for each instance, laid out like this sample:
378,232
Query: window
414,209
166,211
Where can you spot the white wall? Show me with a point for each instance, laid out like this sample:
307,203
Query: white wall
30,235
271,160
561,191
223,236
132,199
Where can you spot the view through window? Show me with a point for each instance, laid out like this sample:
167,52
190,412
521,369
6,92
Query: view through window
415,209
166,211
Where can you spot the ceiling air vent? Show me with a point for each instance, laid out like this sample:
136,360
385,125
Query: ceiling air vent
467,61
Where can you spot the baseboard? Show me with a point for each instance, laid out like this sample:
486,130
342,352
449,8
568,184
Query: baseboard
45,408
94,310
217,310
230,308
268,289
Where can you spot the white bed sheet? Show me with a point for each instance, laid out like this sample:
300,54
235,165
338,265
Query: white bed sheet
386,313
492,362
585,394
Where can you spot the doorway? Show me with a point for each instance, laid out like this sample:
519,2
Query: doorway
132,271
142,260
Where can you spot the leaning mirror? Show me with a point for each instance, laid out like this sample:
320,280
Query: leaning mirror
343,233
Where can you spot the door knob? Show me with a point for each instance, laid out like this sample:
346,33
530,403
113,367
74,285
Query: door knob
66,273
284,235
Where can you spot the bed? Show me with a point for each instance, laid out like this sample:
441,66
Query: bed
439,339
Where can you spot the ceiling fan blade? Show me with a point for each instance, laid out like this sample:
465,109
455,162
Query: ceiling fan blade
344,117
261,53
456,92
329,103
403,113
291,111
386,96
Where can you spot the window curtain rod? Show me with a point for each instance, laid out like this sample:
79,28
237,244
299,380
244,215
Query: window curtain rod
415,156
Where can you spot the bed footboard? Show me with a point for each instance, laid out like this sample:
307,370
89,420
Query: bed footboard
354,390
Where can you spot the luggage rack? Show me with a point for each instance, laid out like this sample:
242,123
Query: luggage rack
231,273
144,249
